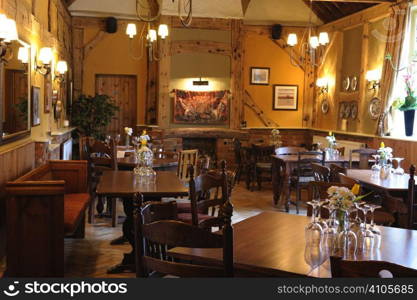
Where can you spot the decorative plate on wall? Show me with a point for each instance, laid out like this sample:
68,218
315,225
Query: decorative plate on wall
346,112
324,106
353,110
354,84
375,108
346,83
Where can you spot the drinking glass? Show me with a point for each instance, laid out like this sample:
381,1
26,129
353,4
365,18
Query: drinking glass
315,255
347,240
376,167
313,230
373,228
320,220
398,170
330,233
365,236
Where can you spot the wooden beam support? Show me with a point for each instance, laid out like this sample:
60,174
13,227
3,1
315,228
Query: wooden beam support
358,1
205,23
93,42
181,47
245,5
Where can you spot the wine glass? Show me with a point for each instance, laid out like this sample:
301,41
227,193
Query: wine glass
365,236
330,233
313,230
373,228
117,139
320,220
398,170
376,167
315,255
347,240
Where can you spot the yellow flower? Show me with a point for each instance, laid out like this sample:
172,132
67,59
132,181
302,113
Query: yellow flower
382,145
356,189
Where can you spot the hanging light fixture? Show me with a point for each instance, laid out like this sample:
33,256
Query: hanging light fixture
8,33
312,44
23,55
45,58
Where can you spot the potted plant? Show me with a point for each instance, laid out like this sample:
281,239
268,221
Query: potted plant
92,114
408,105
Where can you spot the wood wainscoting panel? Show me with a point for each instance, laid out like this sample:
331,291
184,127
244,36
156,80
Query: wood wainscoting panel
13,164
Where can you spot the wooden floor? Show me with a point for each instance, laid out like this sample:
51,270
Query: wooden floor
92,256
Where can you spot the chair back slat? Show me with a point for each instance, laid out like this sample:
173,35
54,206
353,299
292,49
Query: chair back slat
279,177
344,179
186,158
321,173
373,269
334,172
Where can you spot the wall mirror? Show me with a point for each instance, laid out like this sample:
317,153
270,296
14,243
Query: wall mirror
15,93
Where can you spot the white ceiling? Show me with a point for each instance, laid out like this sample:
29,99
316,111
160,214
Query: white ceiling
286,12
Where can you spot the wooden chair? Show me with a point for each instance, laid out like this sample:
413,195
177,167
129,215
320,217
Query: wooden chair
373,269
390,205
303,174
208,193
246,165
153,241
334,172
365,154
412,205
289,150
186,158
279,178
103,157
321,173
262,163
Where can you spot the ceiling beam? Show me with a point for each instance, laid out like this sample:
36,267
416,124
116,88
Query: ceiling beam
245,4
69,2
357,1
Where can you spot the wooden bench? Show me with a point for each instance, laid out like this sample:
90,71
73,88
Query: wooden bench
43,207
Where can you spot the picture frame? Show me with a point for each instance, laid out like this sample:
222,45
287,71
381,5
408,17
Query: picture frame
259,75
35,106
285,97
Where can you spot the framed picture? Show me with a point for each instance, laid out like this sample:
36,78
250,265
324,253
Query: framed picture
48,95
285,97
36,119
259,76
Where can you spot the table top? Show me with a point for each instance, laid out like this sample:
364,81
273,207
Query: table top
273,244
393,183
130,162
126,183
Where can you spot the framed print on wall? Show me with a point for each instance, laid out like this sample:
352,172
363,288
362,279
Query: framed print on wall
285,97
259,76
36,118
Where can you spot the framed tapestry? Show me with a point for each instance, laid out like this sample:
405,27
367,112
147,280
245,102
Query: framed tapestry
285,97
35,116
192,107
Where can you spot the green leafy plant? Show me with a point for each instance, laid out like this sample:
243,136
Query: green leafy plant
91,115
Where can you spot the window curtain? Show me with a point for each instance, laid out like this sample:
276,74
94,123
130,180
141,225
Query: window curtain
398,47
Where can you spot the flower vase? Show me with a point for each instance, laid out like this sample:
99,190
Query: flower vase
127,144
340,216
409,122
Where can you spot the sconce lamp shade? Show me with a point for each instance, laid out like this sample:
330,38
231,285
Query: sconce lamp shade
324,38
292,39
131,30
152,36
314,42
62,67
373,75
322,82
23,55
8,29
163,31
45,55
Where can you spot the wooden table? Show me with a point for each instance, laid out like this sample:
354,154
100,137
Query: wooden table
125,184
162,164
394,183
273,244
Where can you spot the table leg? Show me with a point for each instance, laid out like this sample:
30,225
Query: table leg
128,262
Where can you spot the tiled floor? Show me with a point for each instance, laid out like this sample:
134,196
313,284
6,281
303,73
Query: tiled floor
92,256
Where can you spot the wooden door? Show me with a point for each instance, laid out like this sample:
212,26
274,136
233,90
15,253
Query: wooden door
122,89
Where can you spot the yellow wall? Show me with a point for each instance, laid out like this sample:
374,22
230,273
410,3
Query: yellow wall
33,29
261,51
111,56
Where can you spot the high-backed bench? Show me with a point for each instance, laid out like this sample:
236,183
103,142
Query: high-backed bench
44,206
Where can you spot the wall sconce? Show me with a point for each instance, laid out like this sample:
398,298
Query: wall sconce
45,57
61,69
323,85
23,55
8,33
373,77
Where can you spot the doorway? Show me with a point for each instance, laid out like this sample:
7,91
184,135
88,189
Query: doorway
123,91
